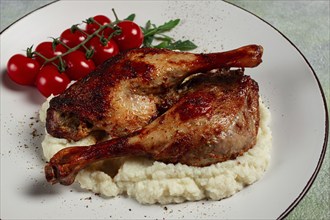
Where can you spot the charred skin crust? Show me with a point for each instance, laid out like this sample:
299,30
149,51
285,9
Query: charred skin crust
65,165
88,97
67,125
244,106
88,101
194,105
73,113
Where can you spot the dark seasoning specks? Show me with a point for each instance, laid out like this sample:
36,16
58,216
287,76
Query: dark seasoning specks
197,23
200,25
26,134
29,132
24,139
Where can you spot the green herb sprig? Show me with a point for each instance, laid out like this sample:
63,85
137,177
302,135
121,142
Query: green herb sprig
152,32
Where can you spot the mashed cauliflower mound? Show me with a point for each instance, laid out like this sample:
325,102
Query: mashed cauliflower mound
152,182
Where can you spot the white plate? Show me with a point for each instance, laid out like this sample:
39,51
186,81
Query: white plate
287,84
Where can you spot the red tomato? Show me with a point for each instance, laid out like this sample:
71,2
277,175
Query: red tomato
103,52
77,65
51,81
22,70
131,35
46,49
102,20
106,32
72,39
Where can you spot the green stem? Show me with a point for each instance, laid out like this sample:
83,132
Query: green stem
97,23
61,67
151,33
89,37
82,31
66,46
84,46
40,55
116,32
115,14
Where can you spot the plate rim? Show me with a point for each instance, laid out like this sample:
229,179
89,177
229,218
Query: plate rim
311,180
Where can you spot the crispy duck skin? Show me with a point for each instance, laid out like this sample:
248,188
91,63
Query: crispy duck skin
214,120
129,91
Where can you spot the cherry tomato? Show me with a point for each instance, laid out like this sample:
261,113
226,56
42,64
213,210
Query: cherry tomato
77,65
72,39
131,35
46,49
22,70
50,81
103,52
102,20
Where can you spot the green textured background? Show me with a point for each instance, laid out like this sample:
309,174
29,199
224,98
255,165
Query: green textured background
306,24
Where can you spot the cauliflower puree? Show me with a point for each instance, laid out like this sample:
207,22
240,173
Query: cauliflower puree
152,182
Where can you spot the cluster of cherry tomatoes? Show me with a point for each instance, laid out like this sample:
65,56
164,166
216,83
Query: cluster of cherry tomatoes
73,63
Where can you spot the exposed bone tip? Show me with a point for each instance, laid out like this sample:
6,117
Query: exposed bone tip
260,49
50,174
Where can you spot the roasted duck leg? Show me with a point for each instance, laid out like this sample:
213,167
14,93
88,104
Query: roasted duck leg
129,91
216,119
